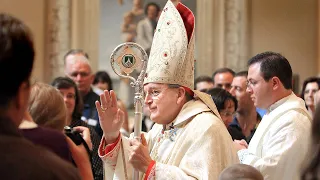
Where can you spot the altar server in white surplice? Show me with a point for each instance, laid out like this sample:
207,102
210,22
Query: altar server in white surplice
189,139
280,142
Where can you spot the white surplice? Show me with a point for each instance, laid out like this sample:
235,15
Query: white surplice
281,140
198,147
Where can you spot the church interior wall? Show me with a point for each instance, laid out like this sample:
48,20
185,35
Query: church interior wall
32,12
289,27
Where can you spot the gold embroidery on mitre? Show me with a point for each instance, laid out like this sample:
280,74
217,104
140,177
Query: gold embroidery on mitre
171,59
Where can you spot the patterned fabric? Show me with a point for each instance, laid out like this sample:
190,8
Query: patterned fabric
110,155
171,59
97,166
197,146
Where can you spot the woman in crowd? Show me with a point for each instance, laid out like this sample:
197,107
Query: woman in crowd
47,109
311,170
227,106
52,118
309,88
73,102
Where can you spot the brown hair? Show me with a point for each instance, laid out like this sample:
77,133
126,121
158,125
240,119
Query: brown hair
46,106
66,83
240,171
311,164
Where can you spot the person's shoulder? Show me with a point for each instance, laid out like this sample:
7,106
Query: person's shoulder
297,117
208,118
293,122
91,98
49,138
51,133
143,22
207,121
32,162
59,168
206,124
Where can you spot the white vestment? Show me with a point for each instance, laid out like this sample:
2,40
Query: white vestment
281,140
198,147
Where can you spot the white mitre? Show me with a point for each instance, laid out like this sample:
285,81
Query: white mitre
171,59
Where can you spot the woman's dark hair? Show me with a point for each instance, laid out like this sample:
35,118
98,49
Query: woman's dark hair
66,83
220,96
312,163
103,76
307,81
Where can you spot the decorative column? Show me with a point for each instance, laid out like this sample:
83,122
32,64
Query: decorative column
85,18
236,34
209,36
58,37
318,44
71,24
222,36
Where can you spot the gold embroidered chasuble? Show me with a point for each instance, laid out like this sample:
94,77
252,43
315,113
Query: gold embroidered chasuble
197,146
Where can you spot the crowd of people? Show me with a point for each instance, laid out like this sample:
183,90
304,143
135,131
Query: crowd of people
233,125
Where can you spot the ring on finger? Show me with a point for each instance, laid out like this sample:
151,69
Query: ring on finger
103,109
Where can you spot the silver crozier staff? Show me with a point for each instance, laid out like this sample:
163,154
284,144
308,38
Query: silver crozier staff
129,57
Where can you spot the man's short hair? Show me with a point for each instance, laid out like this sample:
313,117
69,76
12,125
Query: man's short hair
273,64
16,56
240,171
202,79
81,52
75,51
222,70
151,4
241,74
